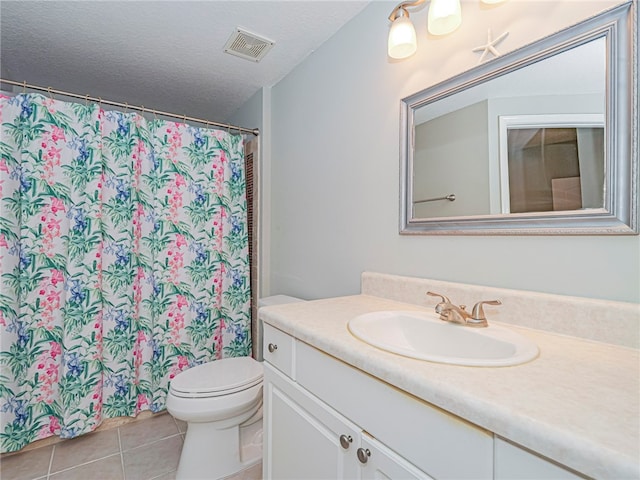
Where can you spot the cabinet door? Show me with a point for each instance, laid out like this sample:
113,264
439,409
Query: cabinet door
382,463
302,435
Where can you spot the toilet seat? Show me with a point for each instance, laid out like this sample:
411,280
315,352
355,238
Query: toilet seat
217,378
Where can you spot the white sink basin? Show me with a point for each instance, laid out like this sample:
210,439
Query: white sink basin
422,335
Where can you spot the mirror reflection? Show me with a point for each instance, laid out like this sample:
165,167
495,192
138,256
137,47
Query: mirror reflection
528,141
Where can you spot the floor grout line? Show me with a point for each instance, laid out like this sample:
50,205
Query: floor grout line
53,451
84,463
124,475
152,442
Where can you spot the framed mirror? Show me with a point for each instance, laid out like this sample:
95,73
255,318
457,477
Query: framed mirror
543,140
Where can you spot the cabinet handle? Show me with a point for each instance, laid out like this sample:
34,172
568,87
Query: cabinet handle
363,455
345,441
272,347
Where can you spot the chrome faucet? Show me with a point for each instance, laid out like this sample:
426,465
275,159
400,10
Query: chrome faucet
458,314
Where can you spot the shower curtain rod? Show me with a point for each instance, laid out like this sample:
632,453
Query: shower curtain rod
51,91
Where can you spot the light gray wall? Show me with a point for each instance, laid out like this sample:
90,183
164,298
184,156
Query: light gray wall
441,154
334,167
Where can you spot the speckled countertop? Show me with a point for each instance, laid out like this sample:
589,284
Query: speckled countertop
578,403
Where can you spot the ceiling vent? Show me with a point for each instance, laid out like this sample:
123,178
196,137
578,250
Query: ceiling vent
248,45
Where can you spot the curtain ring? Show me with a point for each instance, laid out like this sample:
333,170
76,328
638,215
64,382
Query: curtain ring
50,94
184,119
100,103
126,108
86,100
24,87
155,116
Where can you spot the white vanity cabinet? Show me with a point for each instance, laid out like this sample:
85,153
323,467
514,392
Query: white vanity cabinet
324,419
305,439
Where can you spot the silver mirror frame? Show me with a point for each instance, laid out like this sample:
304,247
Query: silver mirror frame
620,213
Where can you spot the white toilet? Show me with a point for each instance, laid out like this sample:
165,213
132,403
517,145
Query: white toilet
221,402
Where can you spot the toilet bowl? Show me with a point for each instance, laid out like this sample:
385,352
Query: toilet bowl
221,402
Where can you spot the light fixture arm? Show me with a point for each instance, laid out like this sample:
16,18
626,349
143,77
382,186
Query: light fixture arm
403,6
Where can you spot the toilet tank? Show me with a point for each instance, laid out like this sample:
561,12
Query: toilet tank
266,302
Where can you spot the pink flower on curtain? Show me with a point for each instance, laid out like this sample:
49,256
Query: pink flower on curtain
96,404
50,428
137,349
175,141
181,364
177,319
141,402
51,155
218,338
218,168
97,336
174,192
49,295
47,366
137,291
51,225
139,152
56,134
49,103
218,287
176,258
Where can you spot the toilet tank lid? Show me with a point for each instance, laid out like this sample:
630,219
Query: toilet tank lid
278,300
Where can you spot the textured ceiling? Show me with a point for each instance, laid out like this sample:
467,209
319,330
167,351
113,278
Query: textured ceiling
165,55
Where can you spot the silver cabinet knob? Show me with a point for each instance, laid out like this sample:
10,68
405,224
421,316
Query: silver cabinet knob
363,455
345,441
272,347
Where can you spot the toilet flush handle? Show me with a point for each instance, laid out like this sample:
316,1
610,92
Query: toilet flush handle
272,347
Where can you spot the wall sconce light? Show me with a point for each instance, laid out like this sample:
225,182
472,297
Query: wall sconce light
402,35
444,17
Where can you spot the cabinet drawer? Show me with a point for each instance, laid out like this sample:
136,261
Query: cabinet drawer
279,349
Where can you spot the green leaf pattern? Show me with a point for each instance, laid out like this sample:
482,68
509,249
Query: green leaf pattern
124,260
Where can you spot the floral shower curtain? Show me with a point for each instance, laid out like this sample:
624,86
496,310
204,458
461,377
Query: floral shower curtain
124,260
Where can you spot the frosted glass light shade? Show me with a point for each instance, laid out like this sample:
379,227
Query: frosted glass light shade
402,38
444,16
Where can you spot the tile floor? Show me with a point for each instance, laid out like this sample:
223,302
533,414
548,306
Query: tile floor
142,450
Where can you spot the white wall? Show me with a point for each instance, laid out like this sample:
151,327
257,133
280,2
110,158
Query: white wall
334,166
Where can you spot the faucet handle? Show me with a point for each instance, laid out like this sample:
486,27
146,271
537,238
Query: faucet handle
443,300
478,312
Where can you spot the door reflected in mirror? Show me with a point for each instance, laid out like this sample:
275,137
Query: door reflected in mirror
551,164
